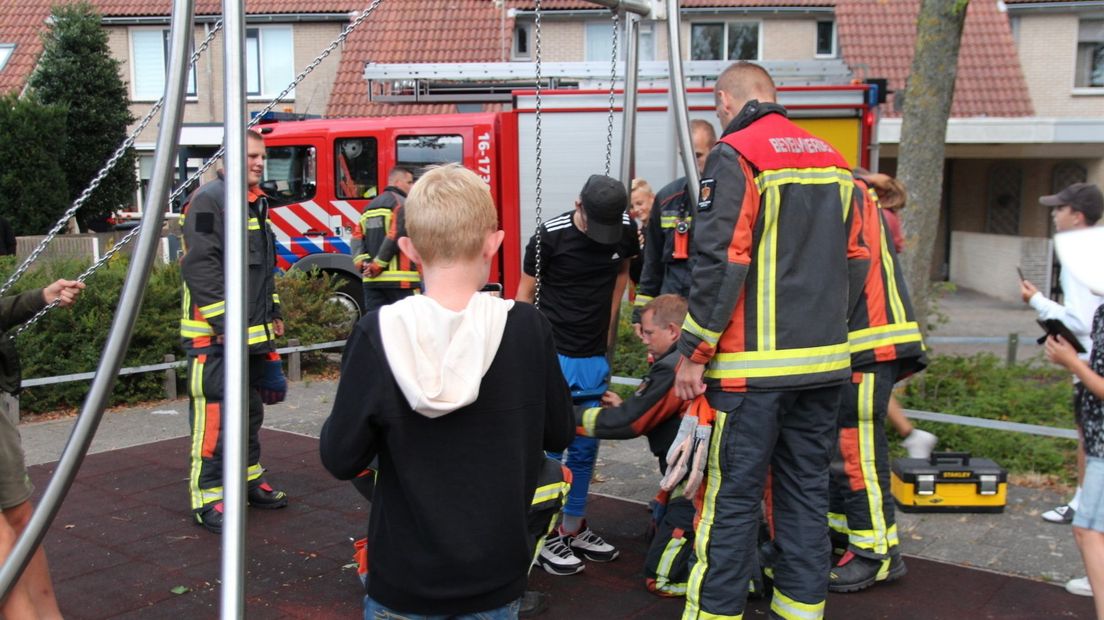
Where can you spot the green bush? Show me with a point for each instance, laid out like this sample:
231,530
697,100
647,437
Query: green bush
70,341
982,386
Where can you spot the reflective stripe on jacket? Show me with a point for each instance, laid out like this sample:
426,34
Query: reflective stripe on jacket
376,239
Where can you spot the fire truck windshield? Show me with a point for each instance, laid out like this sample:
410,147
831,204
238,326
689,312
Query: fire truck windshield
290,174
416,153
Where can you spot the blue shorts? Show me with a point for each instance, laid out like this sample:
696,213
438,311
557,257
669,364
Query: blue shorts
1090,513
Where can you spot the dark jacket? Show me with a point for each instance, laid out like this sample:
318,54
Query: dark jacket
448,533
654,410
776,247
662,272
376,239
202,268
15,309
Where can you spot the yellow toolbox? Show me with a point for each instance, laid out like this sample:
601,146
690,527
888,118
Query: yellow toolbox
949,482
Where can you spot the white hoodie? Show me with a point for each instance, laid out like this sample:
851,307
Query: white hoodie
439,356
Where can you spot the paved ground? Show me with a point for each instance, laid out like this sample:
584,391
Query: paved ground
1016,542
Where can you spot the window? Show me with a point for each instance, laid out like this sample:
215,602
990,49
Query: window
1089,71
356,168
521,47
5,53
416,153
1065,174
149,54
599,40
289,174
826,40
1005,189
724,41
269,66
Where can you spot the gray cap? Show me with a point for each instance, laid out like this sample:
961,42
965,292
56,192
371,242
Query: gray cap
1083,197
604,201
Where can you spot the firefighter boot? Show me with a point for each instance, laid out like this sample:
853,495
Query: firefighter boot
264,496
855,572
210,517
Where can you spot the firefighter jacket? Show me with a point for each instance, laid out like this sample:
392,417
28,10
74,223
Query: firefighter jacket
883,324
653,404
202,268
667,264
376,239
776,246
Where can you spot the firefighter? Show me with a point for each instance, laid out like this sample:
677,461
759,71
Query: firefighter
765,347
666,246
202,327
886,346
388,274
654,410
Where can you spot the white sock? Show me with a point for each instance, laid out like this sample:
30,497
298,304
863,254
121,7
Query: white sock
1076,501
571,524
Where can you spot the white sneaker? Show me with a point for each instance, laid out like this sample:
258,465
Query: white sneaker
1060,514
1079,586
557,558
919,444
592,546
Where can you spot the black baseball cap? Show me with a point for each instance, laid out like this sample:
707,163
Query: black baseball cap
604,200
1083,197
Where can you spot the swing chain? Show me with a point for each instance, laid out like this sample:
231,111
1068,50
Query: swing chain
537,133
191,179
613,81
100,176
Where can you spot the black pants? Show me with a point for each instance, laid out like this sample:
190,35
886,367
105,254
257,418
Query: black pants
376,297
205,390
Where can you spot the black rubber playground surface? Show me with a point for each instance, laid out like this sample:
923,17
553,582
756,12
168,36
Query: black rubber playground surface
124,547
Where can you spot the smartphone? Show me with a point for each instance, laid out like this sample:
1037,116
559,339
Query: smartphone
494,289
1020,271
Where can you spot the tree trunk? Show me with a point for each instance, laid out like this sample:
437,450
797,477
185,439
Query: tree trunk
927,106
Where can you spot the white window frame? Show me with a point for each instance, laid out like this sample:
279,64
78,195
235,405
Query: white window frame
527,28
192,92
835,40
1086,89
645,28
267,91
724,42
6,51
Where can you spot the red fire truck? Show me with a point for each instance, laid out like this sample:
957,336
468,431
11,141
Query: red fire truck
321,173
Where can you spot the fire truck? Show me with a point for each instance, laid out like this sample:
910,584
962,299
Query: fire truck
321,173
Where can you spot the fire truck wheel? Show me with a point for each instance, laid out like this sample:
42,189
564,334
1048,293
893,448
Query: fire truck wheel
350,295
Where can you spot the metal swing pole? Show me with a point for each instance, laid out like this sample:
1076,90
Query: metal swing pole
679,109
628,115
235,404
130,301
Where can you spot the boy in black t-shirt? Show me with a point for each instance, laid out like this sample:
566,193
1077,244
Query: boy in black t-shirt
459,394
585,255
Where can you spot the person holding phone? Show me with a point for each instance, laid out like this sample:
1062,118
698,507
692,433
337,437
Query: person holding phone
1076,207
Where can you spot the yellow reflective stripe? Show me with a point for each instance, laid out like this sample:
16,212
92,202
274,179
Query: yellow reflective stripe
671,221
867,463
254,224
207,496
703,532
259,333
838,522
253,472
384,213
549,492
896,305
709,616
804,176
395,276
663,582
199,421
790,609
766,270
783,362
590,419
215,309
362,258
847,190
891,536
191,328
275,298
691,326
883,335
642,300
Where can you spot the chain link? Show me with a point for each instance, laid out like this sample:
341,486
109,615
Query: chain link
100,176
537,132
195,176
613,81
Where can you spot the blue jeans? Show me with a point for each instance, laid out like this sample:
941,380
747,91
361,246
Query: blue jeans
582,373
374,611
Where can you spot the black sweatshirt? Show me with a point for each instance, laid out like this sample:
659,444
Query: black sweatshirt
447,533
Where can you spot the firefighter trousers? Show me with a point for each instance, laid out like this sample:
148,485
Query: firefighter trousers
792,433
205,391
861,503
